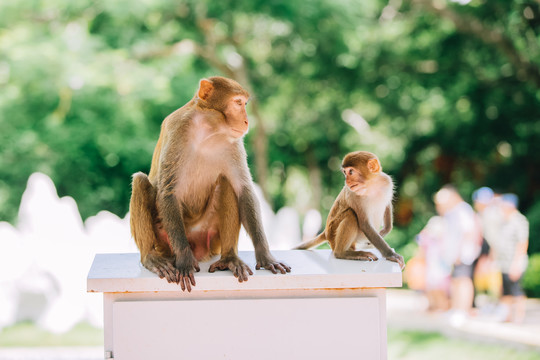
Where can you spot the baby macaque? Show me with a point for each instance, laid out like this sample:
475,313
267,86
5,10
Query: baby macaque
361,208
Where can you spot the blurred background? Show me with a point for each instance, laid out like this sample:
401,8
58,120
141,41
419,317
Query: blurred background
442,91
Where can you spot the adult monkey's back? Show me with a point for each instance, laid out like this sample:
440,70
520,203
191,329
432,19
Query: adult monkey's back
199,190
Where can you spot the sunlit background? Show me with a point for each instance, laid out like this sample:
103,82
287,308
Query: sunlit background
442,91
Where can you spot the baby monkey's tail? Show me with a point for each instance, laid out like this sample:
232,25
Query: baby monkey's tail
308,244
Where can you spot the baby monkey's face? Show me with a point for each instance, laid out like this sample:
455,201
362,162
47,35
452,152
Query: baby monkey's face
354,180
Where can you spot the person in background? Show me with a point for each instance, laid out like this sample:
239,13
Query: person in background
437,271
463,242
487,277
482,199
508,237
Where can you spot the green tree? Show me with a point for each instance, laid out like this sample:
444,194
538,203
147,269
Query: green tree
442,92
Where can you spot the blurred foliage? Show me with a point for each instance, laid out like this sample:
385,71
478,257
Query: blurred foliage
27,334
422,345
442,91
531,280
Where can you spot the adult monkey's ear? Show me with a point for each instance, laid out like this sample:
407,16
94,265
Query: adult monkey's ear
374,165
205,89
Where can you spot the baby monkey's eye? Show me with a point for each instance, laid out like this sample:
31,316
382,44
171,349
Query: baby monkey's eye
350,171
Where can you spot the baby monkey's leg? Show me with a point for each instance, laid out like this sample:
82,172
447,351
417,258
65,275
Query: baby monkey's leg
346,235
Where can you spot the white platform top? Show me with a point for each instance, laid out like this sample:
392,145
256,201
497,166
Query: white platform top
311,269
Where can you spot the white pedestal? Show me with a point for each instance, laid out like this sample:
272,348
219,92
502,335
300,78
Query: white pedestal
324,309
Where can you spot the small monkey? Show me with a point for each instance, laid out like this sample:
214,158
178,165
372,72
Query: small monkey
199,190
362,206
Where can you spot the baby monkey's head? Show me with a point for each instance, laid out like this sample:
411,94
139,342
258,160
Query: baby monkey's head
359,168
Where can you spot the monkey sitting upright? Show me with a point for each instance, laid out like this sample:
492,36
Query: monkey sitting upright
199,190
359,210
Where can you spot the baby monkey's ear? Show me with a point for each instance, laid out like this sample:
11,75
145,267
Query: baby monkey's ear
205,89
374,165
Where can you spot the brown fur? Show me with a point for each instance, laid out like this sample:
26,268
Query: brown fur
361,208
199,190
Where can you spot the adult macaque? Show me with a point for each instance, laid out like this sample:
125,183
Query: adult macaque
199,190
364,203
